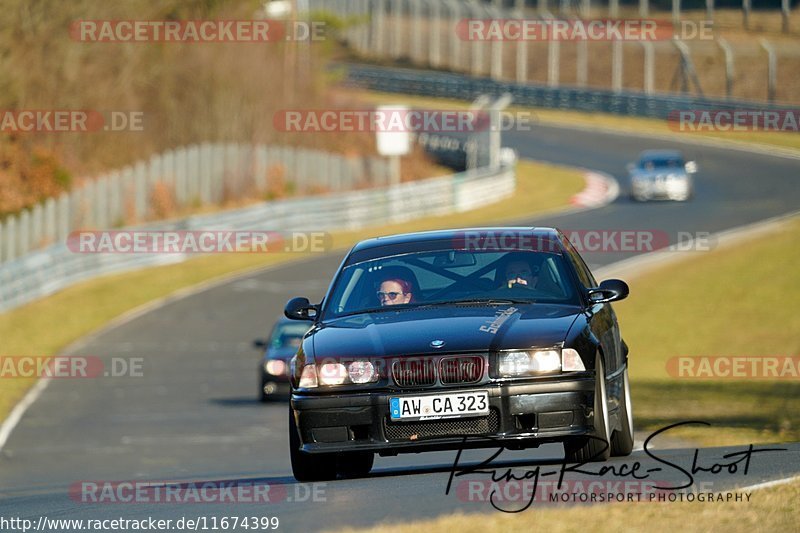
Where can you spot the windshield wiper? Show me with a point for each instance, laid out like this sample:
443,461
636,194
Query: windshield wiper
485,301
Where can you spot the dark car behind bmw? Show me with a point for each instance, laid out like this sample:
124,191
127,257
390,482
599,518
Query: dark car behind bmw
499,334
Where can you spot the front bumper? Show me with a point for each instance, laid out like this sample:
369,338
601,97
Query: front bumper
521,416
666,190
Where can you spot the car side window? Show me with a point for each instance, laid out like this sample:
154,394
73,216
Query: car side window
584,274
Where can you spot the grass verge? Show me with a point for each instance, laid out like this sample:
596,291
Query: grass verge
734,301
46,326
617,123
768,510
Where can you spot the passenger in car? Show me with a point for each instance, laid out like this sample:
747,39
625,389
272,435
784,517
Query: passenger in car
395,291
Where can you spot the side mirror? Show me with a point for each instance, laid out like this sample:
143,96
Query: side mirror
610,290
691,167
259,344
300,309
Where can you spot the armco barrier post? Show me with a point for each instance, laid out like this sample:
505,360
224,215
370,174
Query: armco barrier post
11,239
37,223
49,221
181,170
140,190
24,232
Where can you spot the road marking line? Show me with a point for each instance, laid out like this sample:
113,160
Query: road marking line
16,414
769,484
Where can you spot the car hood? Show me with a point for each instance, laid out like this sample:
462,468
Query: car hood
462,329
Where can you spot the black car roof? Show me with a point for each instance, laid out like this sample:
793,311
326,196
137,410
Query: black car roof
451,234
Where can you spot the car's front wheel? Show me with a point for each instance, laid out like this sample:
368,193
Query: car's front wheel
355,464
622,440
596,447
306,466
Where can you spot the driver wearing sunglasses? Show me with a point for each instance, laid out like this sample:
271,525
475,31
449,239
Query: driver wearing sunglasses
394,291
521,273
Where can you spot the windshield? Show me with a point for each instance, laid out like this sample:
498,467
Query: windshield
288,335
450,277
661,163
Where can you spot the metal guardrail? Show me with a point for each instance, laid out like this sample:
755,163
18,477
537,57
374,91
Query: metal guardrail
46,271
200,174
464,87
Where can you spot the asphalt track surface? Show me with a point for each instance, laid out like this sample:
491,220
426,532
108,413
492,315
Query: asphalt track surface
193,416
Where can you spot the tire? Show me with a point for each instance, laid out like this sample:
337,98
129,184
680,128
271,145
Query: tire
262,396
597,449
305,466
355,464
622,439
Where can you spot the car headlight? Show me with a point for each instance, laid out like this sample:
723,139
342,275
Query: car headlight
275,367
533,362
355,372
332,374
362,372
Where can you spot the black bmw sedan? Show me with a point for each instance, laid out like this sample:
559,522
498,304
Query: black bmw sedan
454,339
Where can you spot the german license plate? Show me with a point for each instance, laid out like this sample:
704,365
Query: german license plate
434,407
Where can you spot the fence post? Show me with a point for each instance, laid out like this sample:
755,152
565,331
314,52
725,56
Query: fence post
140,178
553,62
728,51
435,58
613,9
88,208
582,63
746,6
785,11
496,49
11,238
114,199
454,52
260,166
181,171
476,47
616,65
217,172
37,226
772,64
101,198
62,218
24,232
377,33
397,43
415,19
649,67
49,221
676,12
193,174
